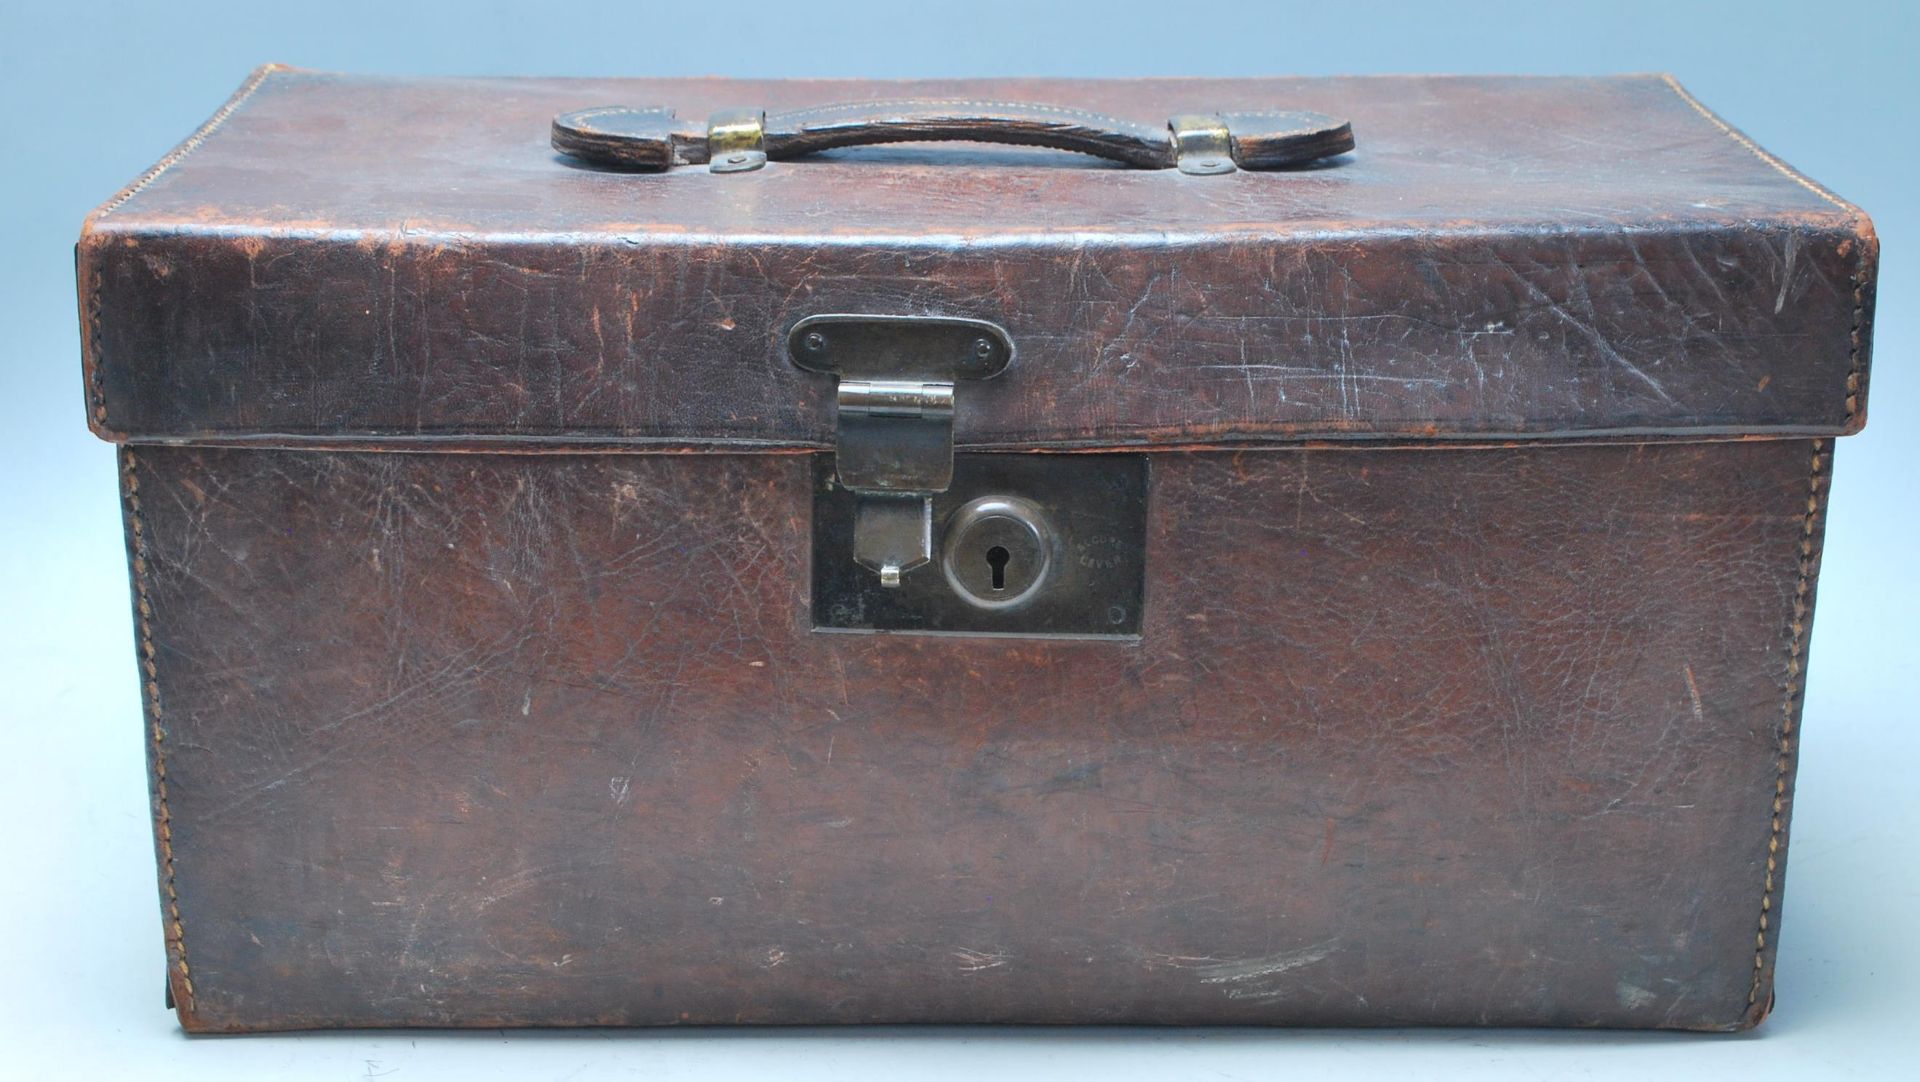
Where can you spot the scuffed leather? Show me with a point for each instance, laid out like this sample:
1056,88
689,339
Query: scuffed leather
1504,257
1442,736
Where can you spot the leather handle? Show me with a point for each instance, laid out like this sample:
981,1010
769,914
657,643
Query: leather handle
738,140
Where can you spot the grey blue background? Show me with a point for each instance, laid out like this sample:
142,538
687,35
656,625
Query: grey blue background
92,93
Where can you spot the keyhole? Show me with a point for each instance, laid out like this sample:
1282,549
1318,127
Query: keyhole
997,558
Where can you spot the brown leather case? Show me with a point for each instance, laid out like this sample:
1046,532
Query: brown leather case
501,667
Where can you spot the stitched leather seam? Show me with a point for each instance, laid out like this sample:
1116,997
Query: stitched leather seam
1739,137
90,355
176,934
1853,338
582,121
1803,586
193,141
1785,170
615,110
1795,684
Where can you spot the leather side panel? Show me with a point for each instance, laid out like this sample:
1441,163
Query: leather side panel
1448,737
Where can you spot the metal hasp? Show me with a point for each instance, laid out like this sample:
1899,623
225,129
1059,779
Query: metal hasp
894,440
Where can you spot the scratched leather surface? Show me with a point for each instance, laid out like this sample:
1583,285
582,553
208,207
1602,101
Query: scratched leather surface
1447,736
348,256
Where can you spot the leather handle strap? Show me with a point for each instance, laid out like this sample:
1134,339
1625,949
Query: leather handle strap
737,140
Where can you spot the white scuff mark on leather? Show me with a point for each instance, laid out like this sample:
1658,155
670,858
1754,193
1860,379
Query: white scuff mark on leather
1693,692
1253,969
618,789
1632,996
1303,374
973,961
1786,271
1251,979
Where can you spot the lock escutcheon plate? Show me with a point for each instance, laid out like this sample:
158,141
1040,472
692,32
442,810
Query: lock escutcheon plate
1094,507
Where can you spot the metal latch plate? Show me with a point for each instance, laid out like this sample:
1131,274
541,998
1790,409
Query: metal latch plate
893,438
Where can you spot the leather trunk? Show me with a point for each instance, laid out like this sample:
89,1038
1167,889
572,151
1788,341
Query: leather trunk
474,501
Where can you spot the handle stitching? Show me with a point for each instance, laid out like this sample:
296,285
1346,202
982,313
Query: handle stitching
1063,110
577,120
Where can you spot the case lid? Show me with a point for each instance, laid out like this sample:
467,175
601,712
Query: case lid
339,258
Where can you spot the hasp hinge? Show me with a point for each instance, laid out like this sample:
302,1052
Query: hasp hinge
893,442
